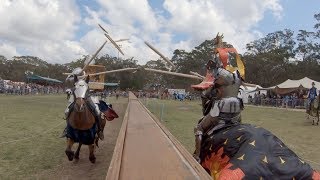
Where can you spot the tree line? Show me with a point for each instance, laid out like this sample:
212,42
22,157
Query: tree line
269,61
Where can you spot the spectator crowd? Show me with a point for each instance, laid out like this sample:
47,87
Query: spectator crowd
22,88
296,99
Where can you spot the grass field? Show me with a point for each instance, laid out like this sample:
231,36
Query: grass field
29,136
290,126
30,147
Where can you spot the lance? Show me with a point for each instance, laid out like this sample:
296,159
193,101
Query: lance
111,40
120,40
174,73
94,56
112,71
114,43
103,29
161,55
197,74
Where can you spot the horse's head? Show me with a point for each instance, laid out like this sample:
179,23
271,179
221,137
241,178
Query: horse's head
80,93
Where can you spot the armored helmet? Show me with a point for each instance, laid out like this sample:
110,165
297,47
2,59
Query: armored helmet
77,71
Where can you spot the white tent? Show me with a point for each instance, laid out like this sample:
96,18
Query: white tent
289,85
304,83
247,91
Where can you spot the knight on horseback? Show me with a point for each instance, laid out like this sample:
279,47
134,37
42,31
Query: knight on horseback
229,149
221,104
312,94
92,99
313,105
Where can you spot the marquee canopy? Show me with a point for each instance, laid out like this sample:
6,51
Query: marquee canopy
106,84
43,79
292,85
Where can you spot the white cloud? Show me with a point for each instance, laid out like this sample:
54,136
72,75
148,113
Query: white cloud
139,24
47,28
123,22
203,19
131,13
40,19
43,28
8,50
197,20
56,51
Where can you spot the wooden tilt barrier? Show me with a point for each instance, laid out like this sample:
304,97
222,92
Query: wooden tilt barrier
145,149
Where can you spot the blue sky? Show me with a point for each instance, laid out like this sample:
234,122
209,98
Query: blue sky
60,31
297,15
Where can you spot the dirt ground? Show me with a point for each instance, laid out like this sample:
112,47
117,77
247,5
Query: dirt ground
148,153
83,168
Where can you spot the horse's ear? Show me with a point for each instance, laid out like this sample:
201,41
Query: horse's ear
75,78
87,79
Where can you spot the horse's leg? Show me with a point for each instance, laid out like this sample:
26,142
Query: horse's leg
69,151
307,115
76,156
92,158
313,119
102,125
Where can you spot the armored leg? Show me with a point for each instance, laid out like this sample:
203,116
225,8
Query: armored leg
198,141
66,114
94,101
67,111
206,123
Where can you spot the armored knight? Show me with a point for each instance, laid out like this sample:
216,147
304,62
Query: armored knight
312,93
93,101
221,105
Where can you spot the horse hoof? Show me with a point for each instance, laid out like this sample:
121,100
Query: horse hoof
92,159
70,155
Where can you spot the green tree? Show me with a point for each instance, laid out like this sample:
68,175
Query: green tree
267,59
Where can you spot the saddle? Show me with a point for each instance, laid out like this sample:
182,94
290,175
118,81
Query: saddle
73,133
